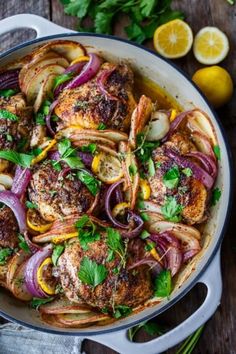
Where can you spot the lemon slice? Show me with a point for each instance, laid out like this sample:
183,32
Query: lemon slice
107,168
210,45
119,209
42,274
145,189
174,39
34,222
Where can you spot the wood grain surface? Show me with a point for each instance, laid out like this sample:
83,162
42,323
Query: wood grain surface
219,334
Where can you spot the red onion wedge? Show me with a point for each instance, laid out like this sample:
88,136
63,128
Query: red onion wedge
32,246
207,162
172,250
86,157
199,173
21,181
31,271
88,72
174,125
9,79
75,68
48,117
203,144
137,221
155,266
101,81
54,155
12,201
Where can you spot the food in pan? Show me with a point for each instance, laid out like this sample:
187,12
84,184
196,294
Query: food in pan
106,185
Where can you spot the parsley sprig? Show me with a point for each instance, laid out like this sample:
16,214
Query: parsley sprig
87,231
92,273
171,210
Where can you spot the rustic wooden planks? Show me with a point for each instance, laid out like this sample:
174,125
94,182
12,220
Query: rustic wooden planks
219,335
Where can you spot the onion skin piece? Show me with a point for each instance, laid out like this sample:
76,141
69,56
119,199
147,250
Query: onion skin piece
12,201
9,79
31,271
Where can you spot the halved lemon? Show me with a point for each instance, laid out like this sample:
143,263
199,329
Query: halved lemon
174,39
210,45
107,168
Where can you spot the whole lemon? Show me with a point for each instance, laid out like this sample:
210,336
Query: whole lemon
216,83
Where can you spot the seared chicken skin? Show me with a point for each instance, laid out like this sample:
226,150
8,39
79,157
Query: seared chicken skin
57,197
130,287
87,106
8,228
190,193
12,131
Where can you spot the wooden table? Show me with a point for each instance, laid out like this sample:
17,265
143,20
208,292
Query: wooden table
219,334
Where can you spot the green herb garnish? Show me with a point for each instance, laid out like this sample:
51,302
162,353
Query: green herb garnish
171,177
30,205
162,286
57,251
122,311
4,254
87,231
91,182
60,79
115,243
37,302
133,170
17,158
215,197
151,167
22,244
101,126
68,155
144,234
89,148
187,172
145,148
4,114
40,119
92,273
171,210
217,152
7,92
144,216
150,327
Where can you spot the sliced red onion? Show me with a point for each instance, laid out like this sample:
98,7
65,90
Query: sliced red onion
139,225
203,144
21,181
199,173
86,157
208,163
155,266
101,80
118,195
88,72
48,117
32,246
172,250
75,68
31,271
189,254
54,155
9,79
13,202
175,124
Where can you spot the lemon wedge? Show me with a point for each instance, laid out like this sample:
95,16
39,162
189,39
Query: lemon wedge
107,168
47,286
210,45
174,39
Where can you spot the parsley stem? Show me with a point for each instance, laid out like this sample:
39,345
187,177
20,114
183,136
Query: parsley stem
190,343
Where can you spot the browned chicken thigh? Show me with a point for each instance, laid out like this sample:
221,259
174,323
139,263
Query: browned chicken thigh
8,228
87,106
190,193
57,197
130,287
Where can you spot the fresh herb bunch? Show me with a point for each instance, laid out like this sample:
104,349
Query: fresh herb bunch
144,15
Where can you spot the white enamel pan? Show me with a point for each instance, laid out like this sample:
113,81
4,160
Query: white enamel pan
207,270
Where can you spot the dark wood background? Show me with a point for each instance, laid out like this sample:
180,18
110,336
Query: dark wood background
219,334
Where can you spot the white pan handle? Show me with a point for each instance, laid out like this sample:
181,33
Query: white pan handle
42,26
212,279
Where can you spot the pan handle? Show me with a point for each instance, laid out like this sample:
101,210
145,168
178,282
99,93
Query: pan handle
212,279
41,26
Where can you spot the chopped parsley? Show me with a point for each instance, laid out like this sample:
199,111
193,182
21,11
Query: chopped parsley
133,170
30,205
171,177
87,231
149,246
60,79
122,311
4,114
101,126
91,182
22,244
144,234
187,172
17,158
151,167
162,286
40,118
68,155
171,210
144,216
37,302
217,152
89,148
4,254
92,273
215,197
57,251
145,148
7,92
115,243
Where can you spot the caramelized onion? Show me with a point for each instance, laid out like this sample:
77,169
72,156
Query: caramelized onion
101,81
21,181
208,163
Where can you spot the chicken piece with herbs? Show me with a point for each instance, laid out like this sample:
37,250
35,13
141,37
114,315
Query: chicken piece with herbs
15,123
88,105
101,275
8,228
57,195
174,187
